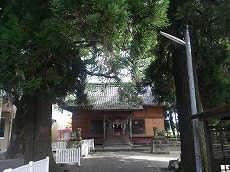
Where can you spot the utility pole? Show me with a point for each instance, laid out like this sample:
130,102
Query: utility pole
192,92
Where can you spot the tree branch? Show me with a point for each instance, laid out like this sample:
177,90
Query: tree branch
103,75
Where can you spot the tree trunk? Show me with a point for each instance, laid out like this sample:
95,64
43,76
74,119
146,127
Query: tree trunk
204,154
16,147
39,132
184,110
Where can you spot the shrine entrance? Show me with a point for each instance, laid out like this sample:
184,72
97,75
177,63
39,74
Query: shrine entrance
117,130
117,126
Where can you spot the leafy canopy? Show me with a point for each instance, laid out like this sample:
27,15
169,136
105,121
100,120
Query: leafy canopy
209,32
48,48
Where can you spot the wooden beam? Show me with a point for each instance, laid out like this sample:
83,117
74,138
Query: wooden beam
218,112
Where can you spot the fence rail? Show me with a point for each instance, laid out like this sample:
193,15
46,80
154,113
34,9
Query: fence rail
58,145
37,166
72,155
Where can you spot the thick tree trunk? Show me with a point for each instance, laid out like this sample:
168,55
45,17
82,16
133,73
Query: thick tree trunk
184,111
16,147
39,132
204,153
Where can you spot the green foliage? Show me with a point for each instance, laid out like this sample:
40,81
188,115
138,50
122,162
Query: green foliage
128,93
36,58
100,21
39,55
211,50
145,18
209,31
210,35
49,45
160,74
213,74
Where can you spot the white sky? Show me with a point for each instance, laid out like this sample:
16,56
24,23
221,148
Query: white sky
61,117
125,77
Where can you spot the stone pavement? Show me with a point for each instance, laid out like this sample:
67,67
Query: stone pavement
137,159
10,163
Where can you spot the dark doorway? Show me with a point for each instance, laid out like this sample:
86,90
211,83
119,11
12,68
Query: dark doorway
117,129
96,127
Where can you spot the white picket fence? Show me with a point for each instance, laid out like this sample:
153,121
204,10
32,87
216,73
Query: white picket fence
91,143
72,155
87,145
37,166
85,148
63,155
58,145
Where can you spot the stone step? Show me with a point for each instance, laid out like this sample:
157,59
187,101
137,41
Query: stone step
117,139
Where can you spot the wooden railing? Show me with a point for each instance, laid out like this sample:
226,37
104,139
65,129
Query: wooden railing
37,166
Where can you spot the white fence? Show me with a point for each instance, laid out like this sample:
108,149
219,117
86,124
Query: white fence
58,145
86,146
91,143
72,155
37,166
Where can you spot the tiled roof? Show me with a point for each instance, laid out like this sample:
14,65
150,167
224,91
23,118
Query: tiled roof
106,97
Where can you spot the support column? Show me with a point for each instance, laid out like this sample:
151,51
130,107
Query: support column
104,128
130,130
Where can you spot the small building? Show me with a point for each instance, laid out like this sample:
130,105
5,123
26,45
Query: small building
112,119
7,115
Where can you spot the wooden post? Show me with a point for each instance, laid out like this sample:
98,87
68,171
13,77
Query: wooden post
104,128
130,129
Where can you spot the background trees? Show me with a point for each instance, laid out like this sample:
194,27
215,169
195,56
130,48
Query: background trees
38,64
210,45
47,48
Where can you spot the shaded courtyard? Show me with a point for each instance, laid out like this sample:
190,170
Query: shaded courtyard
128,161
138,159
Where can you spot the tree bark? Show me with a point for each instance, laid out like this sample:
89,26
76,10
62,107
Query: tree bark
38,138
184,110
16,147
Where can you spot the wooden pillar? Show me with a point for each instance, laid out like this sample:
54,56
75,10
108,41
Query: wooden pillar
104,128
130,129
